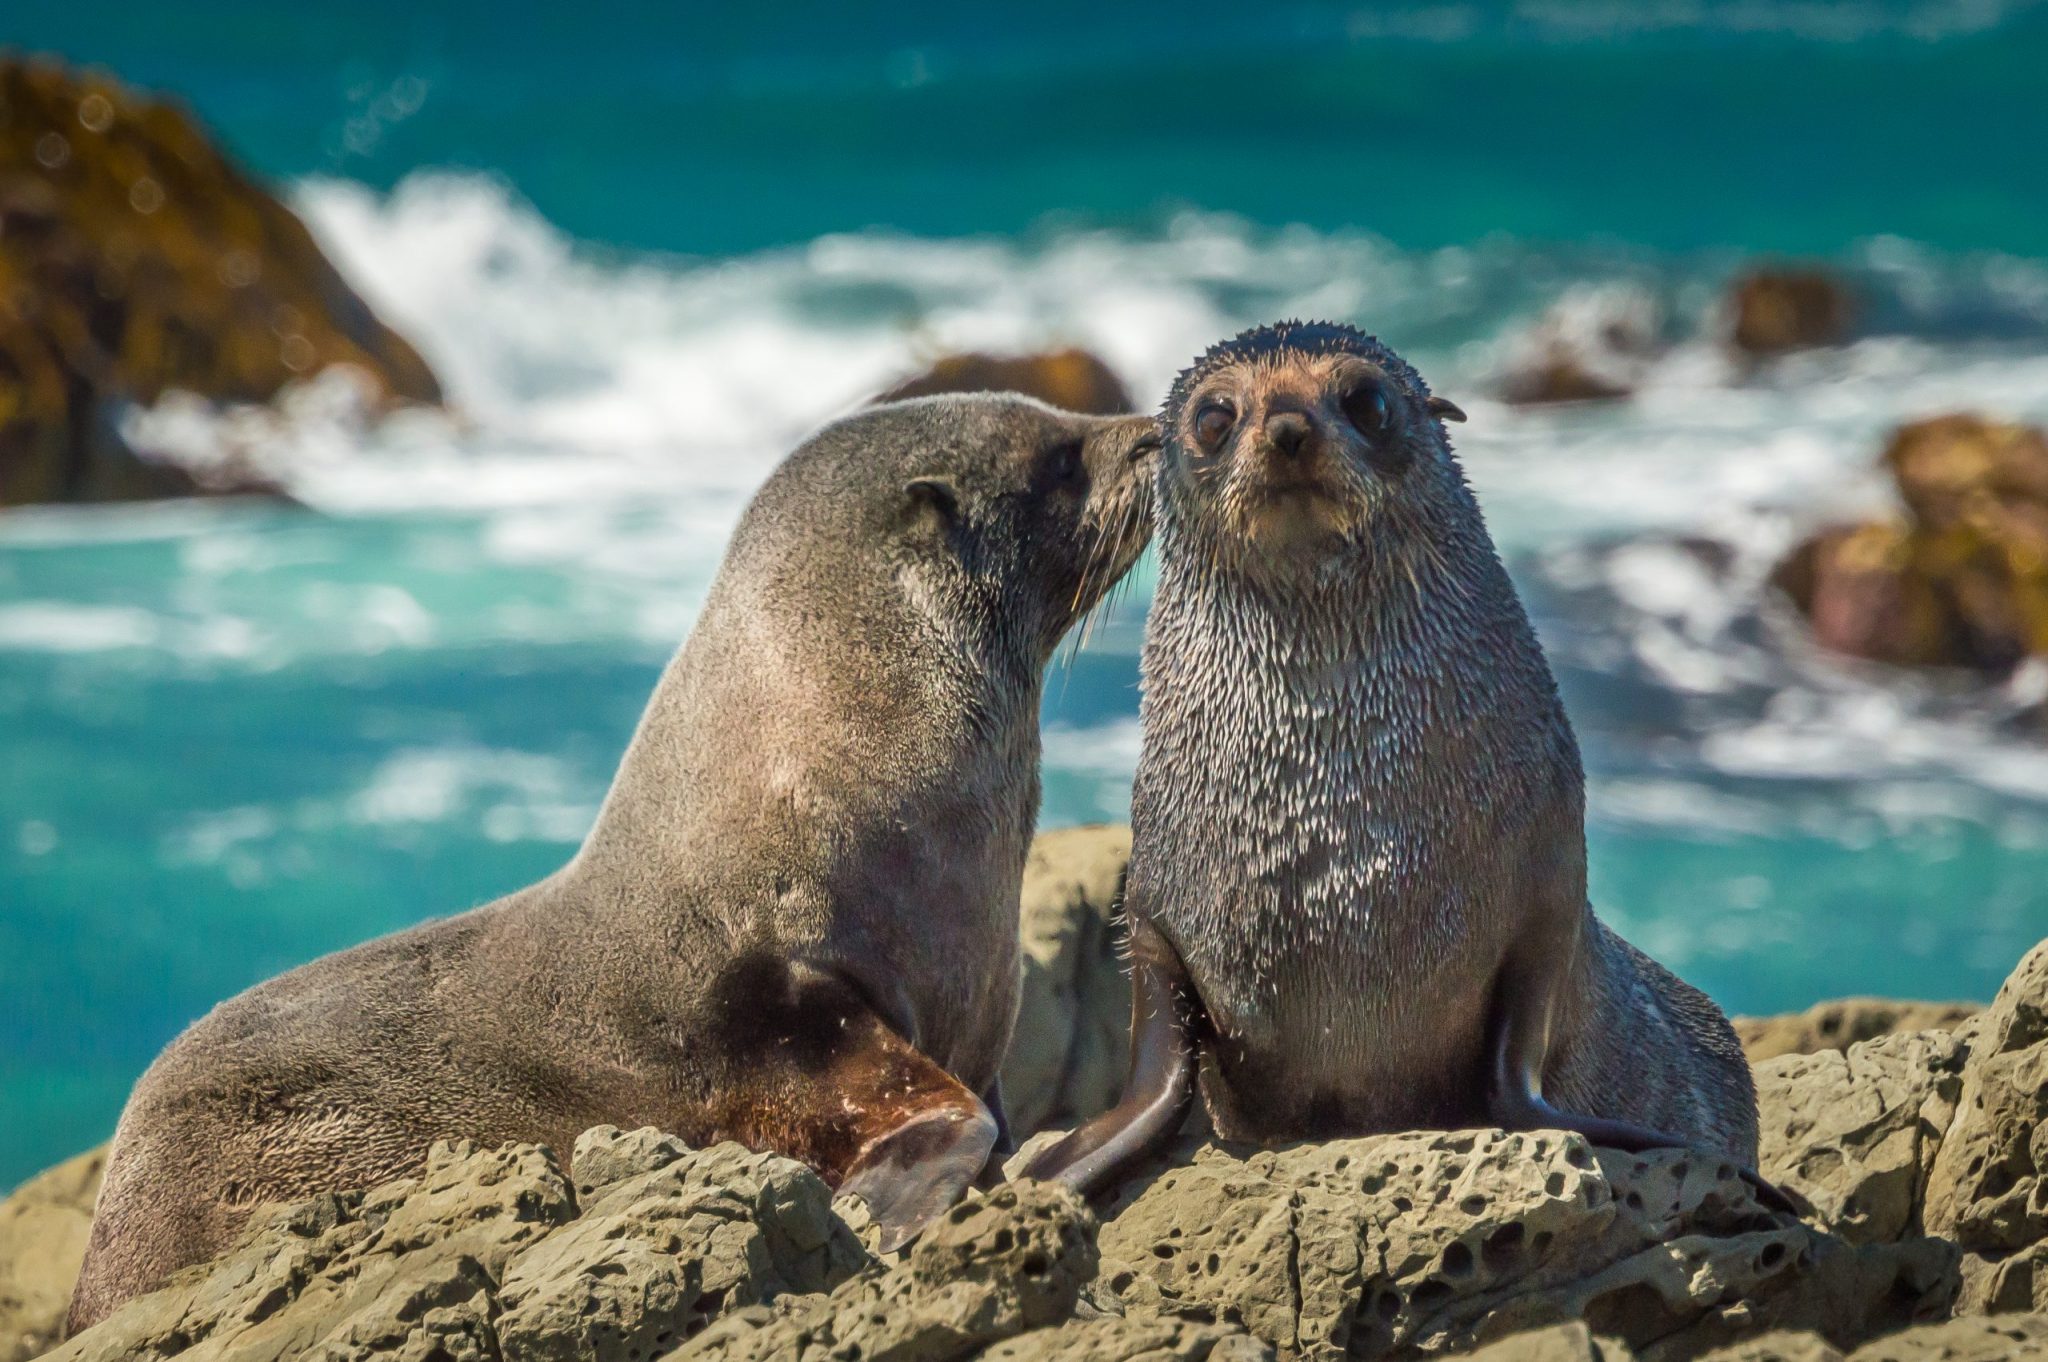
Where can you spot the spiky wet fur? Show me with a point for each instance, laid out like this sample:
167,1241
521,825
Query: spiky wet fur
1359,797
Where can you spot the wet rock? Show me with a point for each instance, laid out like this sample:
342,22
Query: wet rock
1840,1023
1962,579
43,1229
1856,1132
136,260
1070,378
1777,310
1401,1245
1067,1060
992,1268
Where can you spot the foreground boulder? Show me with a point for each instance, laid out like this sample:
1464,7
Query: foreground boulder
1070,378
43,1229
136,259
1961,579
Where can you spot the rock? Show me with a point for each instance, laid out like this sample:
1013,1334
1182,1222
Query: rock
1070,378
1856,1132
1777,310
1559,1343
1592,345
2008,1338
1400,1245
1985,1190
1841,1023
1113,1339
1778,1346
1067,1060
487,1253
135,259
43,1229
1962,580
992,1268
666,1242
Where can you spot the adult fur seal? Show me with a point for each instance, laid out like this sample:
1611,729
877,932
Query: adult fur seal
794,923
1358,885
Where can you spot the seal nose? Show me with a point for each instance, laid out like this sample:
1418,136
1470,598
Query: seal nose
1289,432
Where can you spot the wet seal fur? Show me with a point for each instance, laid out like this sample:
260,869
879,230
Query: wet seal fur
794,923
1357,893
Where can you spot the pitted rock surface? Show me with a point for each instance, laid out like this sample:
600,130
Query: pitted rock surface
992,1268
1406,1245
1856,1132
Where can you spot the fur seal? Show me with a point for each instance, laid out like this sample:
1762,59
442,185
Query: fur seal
1357,894
794,923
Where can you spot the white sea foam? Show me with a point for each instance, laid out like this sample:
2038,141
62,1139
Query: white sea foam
609,416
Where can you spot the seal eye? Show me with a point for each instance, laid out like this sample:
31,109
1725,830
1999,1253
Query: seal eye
1066,465
1212,423
1368,407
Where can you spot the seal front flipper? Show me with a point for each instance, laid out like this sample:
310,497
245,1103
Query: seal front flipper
1515,1101
1160,1087
910,1175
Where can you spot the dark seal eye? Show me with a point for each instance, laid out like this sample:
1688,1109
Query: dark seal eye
1368,407
1212,423
1066,466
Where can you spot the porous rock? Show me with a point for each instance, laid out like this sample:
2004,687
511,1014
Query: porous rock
2004,1338
1066,1061
1841,1022
1071,378
43,1229
992,1268
1405,1245
1856,1132
1110,1338
668,1239
1986,1189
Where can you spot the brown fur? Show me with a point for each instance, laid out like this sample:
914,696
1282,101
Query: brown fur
795,918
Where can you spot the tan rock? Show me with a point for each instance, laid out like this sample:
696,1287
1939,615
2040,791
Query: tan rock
1070,378
1572,1342
1067,1059
1422,1243
668,1240
1856,1132
43,1229
1778,1346
1985,1189
1841,1022
992,1268
2007,1338
1113,1339
1777,310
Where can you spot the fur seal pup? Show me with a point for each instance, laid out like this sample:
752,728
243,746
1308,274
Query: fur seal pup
794,923
1358,884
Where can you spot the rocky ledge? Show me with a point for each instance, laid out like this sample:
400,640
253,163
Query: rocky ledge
1928,1234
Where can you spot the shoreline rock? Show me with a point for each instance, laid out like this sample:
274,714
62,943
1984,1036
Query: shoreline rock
1908,1127
137,259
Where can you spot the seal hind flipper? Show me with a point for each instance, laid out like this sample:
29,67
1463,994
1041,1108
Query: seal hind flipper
1515,1101
1166,1026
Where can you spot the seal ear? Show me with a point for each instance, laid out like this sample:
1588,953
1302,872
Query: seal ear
933,501
1443,409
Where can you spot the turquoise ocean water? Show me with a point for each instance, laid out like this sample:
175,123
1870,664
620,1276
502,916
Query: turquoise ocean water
648,249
